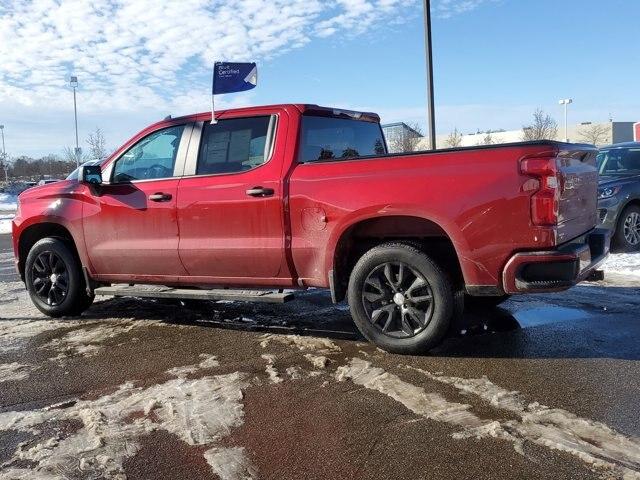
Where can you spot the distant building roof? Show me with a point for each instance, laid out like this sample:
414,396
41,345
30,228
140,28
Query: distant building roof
403,125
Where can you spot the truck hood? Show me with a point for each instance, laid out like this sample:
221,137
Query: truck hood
47,191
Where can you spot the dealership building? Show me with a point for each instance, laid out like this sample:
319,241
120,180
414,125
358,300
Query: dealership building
607,133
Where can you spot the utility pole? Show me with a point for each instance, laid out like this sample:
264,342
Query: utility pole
73,82
431,119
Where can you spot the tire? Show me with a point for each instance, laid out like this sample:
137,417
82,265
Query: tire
400,299
54,280
484,303
626,238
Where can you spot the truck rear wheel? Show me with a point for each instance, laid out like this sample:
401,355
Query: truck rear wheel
54,280
400,299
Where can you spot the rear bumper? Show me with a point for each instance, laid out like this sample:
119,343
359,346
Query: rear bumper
556,270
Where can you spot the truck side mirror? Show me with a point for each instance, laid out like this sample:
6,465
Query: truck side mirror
91,174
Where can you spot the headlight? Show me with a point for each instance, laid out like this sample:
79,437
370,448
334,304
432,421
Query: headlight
607,192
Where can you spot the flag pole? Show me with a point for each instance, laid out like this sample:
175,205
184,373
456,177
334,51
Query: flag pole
213,111
213,89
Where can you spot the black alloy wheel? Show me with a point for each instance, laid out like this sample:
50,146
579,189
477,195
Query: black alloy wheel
398,300
50,278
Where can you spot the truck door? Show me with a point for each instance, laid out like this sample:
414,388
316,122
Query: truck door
230,201
130,225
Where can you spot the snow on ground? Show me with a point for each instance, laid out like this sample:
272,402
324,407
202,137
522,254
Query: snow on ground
200,412
8,207
10,372
623,264
5,222
8,202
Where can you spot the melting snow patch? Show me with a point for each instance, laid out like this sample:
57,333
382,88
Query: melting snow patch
294,373
200,412
14,333
318,361
320,345
11,372
86,341
230,463
270,369
208,361
593,442
623,263
428,405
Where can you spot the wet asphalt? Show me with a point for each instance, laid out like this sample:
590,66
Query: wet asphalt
579,352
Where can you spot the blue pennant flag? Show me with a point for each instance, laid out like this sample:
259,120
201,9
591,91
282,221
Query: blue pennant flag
233,77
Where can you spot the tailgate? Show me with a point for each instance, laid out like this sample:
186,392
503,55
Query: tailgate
578,179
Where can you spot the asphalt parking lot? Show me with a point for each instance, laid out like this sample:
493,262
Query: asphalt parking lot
546,387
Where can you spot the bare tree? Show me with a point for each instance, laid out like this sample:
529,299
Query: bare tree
594,134
454,140
5,165
97,145
406,141
543,128
69,154
487,140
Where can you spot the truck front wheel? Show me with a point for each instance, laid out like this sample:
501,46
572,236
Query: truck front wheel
400,299
53,276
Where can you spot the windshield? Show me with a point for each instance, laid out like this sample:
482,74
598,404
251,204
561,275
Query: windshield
619,161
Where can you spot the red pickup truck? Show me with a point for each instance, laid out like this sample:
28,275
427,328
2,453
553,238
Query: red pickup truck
297,196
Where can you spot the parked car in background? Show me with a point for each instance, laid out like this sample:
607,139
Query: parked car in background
619,194
75,174
297,196
47,181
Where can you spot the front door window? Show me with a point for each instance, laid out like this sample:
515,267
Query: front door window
153,157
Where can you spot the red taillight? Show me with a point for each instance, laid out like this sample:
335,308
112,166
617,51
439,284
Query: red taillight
545,203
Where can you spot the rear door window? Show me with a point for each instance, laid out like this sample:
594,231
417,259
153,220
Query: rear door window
233,145
327,138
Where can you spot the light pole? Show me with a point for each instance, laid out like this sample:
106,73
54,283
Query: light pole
431,119
566,102
4,156
73,82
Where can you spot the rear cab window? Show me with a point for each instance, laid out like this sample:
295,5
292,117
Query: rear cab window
325,138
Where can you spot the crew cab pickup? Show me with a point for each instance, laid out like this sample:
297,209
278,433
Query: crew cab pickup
298,196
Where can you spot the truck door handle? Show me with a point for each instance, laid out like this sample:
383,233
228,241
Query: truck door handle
160,197
260,192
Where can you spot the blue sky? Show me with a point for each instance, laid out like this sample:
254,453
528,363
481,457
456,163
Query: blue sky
496,61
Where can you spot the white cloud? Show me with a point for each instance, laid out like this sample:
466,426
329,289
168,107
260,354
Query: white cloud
143,53
138,60
450,8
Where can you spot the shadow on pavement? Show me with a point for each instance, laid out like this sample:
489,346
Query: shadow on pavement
522,329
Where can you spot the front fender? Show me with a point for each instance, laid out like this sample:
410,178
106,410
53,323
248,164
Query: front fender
61,208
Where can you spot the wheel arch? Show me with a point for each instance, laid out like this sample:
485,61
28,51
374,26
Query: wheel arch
363,233
33,233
